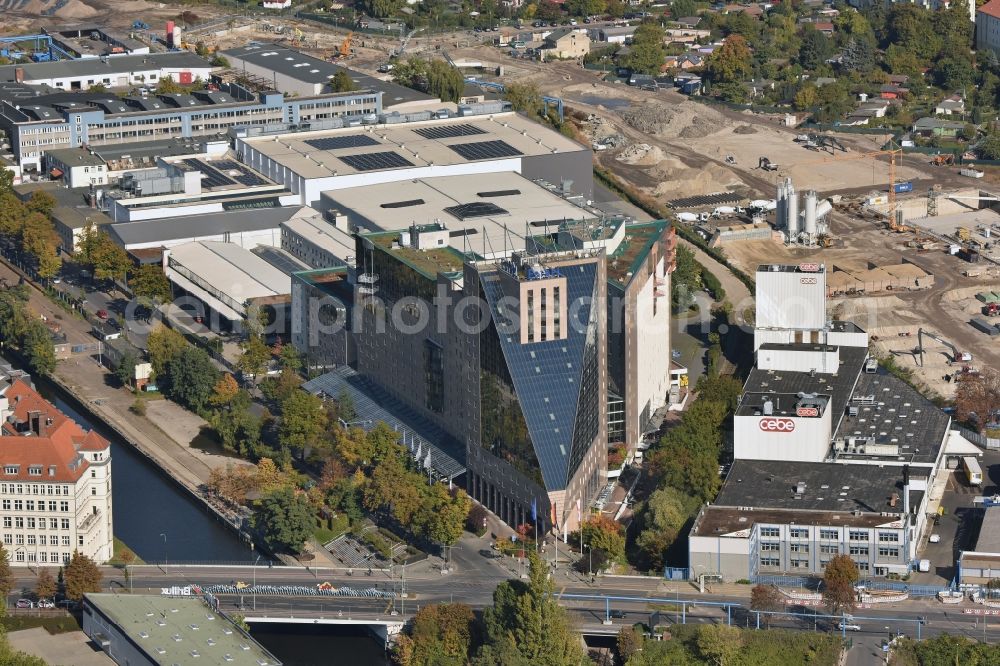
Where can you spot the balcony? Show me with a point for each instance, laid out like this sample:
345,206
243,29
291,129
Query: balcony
88,522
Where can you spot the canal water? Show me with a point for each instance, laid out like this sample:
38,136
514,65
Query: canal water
147,506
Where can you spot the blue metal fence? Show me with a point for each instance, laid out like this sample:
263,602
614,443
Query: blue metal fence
676,573
899,586
786,581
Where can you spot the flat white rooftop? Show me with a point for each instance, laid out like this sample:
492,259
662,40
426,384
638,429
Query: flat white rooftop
310,225
229,270
495,211
352,150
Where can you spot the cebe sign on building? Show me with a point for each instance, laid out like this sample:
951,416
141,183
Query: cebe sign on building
777,425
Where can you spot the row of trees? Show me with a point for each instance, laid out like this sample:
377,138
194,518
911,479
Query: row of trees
524,626
108,261
434,77
80,576
363,472
685,465
374,471
727,646
26,227
24,330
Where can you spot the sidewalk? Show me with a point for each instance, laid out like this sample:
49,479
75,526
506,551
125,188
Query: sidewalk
165,435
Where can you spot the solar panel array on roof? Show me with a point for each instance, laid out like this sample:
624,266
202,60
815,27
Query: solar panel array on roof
244,176
348,141
485,150
211,177
476,209
279,259
449,131
374,161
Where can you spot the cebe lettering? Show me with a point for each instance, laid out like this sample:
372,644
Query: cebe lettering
777,425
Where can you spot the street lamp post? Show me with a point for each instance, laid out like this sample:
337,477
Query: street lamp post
254,590
166,564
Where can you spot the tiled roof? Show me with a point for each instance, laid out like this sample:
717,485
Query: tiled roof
991,8
37,435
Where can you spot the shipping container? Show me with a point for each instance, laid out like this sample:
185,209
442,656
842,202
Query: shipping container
969,255
904,187
985,326
971,173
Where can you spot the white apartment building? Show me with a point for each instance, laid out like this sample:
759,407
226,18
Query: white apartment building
55,483
988,26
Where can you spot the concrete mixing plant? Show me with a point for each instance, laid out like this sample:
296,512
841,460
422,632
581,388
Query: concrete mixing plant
801,227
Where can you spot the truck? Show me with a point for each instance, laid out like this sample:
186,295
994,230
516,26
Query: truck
903,187
973,473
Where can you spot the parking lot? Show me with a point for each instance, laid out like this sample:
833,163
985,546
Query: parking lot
959,526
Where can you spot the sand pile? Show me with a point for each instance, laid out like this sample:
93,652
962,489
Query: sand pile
688,120
680,180
75,9
641,154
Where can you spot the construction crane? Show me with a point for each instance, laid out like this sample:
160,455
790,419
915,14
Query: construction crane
894,153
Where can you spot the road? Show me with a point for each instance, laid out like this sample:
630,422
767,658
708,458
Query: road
475,587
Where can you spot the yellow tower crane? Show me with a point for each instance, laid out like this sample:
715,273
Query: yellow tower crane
893,153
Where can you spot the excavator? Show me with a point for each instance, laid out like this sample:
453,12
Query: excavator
943,159
956,355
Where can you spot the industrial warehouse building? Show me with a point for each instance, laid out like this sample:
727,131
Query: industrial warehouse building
301,74
228,279
150,630
832,454
36,121
119,72
395,148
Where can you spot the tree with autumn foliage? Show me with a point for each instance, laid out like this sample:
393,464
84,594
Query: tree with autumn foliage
838,584
238,428
603,534
977,398
81,576
438,634
732,62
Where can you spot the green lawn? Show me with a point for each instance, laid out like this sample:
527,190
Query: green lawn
327,531
120,547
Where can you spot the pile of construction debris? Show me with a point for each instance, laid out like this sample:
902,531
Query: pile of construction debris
687,120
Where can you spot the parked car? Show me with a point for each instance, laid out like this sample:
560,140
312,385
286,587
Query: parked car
935,538
46,603
102,314
25,603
